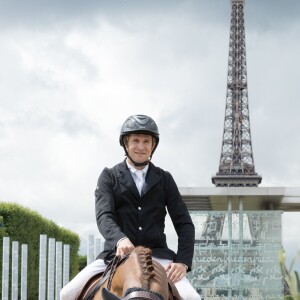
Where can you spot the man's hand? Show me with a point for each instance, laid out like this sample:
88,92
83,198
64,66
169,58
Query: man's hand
124,247
175,271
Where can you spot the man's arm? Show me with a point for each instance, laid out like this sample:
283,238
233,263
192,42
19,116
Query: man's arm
105,209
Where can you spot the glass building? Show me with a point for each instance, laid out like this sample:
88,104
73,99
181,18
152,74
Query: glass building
238,239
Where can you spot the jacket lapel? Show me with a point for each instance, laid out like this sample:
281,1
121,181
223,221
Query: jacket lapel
152,178
126,179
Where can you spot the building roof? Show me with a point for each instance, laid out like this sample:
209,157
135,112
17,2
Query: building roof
254,198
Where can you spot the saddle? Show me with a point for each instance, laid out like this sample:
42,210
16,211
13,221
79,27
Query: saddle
89,287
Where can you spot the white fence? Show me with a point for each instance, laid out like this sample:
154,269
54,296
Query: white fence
53,256
94,247
54,266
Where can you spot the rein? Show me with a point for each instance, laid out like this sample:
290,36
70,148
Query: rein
108,274
115,263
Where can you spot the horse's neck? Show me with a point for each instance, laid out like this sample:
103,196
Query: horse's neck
127,276
153,275
133,274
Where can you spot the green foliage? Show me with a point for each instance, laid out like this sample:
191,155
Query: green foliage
25,226
82,261
291,277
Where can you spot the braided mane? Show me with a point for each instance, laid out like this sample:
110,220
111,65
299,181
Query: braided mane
145,257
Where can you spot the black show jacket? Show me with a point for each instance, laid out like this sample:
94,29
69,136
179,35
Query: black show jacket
122,212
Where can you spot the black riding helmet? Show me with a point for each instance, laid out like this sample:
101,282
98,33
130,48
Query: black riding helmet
139,124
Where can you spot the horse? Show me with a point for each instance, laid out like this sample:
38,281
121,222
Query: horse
136,276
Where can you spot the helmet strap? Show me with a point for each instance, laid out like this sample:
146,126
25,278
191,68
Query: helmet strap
136,164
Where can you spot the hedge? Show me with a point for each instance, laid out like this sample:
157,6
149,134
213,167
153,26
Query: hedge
25,226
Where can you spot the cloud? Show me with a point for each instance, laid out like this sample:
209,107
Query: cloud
43,14
72,72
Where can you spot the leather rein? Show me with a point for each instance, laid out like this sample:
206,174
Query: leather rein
107,275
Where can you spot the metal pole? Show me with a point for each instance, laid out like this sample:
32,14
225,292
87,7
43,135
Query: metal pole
42,267
51,266
90,252
58,271
98,247
5,268
229,249
24,268
241,246
66,265
14,270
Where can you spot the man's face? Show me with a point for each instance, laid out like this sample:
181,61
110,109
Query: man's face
139,147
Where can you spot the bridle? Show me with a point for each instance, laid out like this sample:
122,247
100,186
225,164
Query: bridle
143,295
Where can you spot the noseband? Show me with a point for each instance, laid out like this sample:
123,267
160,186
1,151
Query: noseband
142,294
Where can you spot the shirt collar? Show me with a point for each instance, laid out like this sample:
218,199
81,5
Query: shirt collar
133,169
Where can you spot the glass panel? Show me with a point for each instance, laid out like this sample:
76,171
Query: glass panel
236,255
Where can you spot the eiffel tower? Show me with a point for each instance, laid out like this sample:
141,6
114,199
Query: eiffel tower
236,168
236,250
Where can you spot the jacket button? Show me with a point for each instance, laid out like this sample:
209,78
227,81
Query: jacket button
139,208
140,228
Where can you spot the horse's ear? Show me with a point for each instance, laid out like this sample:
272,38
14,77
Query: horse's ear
107,295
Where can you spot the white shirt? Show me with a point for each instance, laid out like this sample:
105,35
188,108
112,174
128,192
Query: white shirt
138,176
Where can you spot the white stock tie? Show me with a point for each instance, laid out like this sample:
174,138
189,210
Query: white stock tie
140,182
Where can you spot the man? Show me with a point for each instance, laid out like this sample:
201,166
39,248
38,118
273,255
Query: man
131,202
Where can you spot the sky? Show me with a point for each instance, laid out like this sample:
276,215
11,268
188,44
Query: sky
73,71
